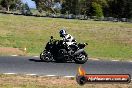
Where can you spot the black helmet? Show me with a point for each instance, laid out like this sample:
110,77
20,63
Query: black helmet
62,33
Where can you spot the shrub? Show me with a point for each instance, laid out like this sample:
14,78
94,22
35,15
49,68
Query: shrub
97,10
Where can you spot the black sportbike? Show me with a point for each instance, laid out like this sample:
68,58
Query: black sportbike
59,51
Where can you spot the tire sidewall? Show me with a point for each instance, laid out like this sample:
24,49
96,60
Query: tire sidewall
81,61
42,56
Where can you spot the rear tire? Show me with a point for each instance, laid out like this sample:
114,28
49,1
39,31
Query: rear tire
81,58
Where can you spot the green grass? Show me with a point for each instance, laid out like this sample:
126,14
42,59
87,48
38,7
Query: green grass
107,40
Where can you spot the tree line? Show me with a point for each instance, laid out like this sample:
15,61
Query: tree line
98,8
14,5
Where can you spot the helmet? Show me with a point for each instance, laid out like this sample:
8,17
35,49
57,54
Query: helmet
62,33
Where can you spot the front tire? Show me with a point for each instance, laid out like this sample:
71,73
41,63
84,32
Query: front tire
46,56
81,58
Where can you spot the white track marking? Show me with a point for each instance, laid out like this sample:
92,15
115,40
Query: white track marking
129,61
35,56
31,74
50,75
14,55
95,59
115,60
9,73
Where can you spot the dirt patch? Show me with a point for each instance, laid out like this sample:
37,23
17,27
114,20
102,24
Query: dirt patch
50,82
123,40
11,51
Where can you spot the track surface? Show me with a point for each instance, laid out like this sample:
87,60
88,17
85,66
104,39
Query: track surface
32,65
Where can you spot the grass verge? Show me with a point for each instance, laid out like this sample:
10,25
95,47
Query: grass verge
107,40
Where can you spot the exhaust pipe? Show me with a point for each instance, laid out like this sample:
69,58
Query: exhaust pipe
79,51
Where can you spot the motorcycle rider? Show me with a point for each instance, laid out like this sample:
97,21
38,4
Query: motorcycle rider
67,38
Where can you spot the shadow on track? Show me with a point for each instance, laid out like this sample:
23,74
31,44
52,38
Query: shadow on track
37,60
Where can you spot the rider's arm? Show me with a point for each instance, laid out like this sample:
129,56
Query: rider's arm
69,38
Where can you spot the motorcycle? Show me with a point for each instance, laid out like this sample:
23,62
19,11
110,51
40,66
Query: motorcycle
59,51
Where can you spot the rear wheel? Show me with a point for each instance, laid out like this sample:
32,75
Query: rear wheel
46,56
81,58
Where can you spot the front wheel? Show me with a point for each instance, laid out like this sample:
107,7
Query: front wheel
81,58
46,56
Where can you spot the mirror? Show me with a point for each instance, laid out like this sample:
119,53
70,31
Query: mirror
86,43
51,37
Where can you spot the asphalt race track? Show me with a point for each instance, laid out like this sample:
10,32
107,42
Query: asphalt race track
33,65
